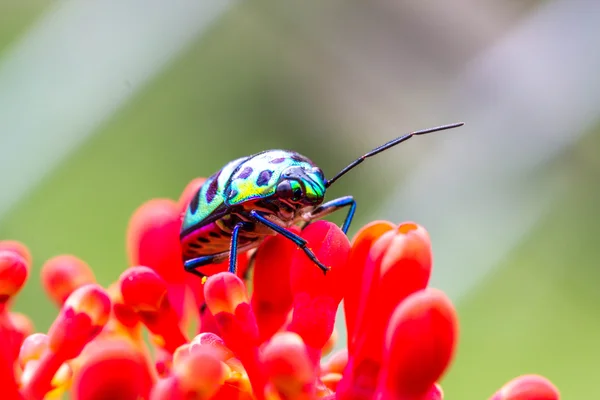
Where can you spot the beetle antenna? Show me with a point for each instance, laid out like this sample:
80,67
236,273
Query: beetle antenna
386,146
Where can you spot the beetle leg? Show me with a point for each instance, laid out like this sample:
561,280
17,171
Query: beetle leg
234,247
289,235
192,265
334,205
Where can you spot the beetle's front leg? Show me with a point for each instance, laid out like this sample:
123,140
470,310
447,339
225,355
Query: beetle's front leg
192,265
302,243
334,205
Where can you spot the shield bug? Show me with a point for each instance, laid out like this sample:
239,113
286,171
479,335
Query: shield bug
259,195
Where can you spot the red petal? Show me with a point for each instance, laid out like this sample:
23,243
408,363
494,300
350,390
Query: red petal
7,358
331,246
420,343
313,319
272,294
357,260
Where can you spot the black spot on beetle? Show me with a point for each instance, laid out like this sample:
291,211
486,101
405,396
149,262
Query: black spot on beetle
246,172
277,160
264,177
194,245
202,239
194,203
211,192
214,234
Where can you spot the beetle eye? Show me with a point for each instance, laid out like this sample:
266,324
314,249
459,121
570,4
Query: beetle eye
290,189
284,189
297,194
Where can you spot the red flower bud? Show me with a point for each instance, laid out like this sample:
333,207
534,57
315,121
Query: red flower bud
289,367
146,293
33,347
272,294
153,241
227,300
112,369
398,264
200,372
420,344
528,387
331,246
13,274
153,238
81,319
357,260
317,296
123,315
63,274
207,339
84,314
17,247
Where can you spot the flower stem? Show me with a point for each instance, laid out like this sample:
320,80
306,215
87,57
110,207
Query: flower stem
41,379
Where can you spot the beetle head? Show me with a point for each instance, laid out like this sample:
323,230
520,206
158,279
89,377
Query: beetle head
301,185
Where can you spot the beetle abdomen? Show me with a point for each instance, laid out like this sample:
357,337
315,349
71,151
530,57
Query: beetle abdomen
210,240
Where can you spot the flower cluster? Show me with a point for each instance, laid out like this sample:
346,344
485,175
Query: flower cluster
219,340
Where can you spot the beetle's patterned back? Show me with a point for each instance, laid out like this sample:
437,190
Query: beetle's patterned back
257,177
209,199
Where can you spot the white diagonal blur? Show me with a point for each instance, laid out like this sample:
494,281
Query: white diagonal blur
523,101
74,68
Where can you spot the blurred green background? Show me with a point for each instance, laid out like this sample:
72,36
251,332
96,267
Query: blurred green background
331,81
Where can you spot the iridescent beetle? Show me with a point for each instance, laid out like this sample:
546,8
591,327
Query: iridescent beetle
260,195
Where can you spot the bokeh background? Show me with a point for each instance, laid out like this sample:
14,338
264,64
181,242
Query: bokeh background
106,104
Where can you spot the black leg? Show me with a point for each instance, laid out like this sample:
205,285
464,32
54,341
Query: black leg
334,205
289,235
233,249
192,265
